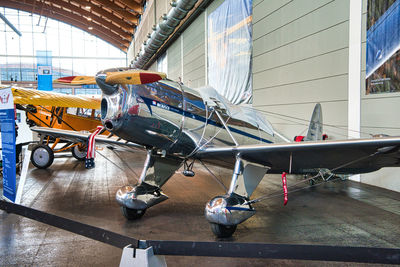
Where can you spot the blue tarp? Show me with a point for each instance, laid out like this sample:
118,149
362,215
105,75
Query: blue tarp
383,38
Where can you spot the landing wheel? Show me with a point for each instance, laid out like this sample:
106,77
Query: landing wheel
79,152
223,230
42,156
132,214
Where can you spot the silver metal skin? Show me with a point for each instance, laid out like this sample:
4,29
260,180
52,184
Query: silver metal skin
156,171
231,209
176,123
139,197
171,117
236,172
228,210
166,116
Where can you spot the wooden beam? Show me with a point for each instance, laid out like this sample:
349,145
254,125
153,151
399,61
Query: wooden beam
107,25
126,25
71,19
115,8
132,5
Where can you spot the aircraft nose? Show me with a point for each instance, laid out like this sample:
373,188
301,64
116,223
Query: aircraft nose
106,88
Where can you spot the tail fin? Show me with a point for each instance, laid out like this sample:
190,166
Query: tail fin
315,129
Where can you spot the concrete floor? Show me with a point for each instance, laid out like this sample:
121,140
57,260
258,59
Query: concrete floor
336,213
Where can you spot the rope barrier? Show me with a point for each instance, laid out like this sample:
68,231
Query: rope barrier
214,249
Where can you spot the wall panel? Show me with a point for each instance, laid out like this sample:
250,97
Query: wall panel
174,61
300,57
194,53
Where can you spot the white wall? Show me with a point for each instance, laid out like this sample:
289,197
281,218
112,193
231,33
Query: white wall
300,57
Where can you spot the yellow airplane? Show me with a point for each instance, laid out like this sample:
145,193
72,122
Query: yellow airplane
53,110
69,119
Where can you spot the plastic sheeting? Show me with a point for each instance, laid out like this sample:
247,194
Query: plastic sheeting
229,50
247,114
383,44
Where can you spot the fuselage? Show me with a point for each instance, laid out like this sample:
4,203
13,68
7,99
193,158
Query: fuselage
172,117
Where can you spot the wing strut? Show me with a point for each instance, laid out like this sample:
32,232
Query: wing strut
226,127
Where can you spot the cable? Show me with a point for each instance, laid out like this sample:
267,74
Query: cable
213,175
320,173
117,165
324,124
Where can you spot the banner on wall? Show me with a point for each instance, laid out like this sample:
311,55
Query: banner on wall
229,50
7,123
383,46
44,73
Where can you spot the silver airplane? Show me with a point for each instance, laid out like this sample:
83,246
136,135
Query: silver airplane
177,125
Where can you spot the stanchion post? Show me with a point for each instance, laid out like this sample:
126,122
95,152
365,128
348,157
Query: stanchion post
141,256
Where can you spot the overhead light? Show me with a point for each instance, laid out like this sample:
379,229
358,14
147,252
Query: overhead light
90,28
88,7
89,19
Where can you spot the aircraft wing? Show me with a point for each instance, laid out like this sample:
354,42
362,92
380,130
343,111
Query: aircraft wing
74,136
347,157
44,98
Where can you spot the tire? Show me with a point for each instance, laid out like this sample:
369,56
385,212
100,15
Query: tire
132,214
79,152
223,231
42,156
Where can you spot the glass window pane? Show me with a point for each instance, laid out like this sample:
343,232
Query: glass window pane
74,52
65,67
27,69
27,44
12,40
13,68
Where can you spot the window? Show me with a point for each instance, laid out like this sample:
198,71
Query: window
74,52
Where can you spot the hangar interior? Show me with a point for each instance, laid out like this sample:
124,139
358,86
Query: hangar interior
292,54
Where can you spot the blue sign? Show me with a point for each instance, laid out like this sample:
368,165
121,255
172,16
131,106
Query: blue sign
44,70
7,122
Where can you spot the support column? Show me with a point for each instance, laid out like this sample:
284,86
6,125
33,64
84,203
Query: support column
354,76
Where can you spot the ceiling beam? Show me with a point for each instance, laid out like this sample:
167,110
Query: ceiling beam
95,19
117,9
126,25
71,19
131,5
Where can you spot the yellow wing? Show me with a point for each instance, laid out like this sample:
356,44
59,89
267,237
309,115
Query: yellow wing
45,98
116,76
